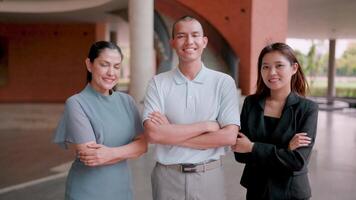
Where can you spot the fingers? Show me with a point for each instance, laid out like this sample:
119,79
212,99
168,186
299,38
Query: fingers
241,135
95,146
88,152
299,140
302,138
85,158
90,160
90,163
88,155
157,118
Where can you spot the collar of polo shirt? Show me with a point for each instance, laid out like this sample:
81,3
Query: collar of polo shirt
179,78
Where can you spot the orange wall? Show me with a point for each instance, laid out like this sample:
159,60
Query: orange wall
246,25
46,61
269,24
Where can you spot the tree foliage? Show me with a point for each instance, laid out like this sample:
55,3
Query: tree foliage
314,63
346,65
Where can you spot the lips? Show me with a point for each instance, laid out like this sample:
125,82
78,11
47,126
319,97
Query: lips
109,80
189,50
273,80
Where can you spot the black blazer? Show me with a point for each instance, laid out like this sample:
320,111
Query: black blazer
272,171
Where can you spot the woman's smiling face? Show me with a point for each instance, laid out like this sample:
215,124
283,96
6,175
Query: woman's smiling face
105,70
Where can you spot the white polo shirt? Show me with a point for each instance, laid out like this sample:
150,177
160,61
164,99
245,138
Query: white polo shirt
211,96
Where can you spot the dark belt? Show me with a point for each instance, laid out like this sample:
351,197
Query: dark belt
193,168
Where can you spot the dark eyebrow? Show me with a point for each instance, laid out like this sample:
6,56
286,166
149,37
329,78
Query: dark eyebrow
181,33
196,32
279,62
107,62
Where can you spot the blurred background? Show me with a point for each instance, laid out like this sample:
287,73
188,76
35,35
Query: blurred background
43,45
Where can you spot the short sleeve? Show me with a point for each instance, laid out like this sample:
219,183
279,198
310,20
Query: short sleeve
74,126
229,104
137,117
152,100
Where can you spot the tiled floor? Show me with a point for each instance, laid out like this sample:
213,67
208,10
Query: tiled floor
27,154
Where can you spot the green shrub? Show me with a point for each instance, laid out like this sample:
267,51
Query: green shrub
340,91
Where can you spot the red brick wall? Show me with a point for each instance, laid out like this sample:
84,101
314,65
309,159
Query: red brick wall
247,25
45,61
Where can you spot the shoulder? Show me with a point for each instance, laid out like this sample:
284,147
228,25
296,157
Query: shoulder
252,103
73,100
123,96
223,80
127,101
73,104
161,81
251,99
219,75
82,97
164,76
307,104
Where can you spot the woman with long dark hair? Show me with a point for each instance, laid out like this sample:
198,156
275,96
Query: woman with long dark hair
278,129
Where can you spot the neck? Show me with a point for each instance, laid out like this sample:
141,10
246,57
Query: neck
190,69
101,91
280,95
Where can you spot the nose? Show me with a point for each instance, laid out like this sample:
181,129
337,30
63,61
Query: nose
110,71
273,70
189,39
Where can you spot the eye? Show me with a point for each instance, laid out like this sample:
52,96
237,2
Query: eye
265,67
104,64
117,67
280,65
179,36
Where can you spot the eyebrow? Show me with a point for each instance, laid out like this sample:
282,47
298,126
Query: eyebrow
107,62
272,62
185,33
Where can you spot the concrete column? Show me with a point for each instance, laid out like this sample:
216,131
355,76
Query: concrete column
141,47
331,72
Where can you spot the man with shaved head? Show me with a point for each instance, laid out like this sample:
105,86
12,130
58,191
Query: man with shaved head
191,115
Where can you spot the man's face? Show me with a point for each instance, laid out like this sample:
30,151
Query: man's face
189,40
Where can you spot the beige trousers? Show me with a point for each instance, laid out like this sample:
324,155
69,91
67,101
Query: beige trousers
170,184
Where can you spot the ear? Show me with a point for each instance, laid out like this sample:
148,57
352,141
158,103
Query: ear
295,67
205,39
88,64
171,42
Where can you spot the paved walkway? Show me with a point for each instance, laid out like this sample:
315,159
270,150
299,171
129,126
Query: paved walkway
31,168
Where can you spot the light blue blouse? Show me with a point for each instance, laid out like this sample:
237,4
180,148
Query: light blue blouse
109,120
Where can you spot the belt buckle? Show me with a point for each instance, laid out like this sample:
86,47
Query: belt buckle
188,168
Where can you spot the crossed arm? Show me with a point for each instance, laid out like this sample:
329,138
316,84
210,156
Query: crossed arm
292,157
92,154
201,135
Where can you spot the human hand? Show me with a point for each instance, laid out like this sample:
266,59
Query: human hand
96,154
299,140
243,144
158,118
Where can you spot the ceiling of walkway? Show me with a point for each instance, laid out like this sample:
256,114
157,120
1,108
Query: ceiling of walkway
60,10
320,19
